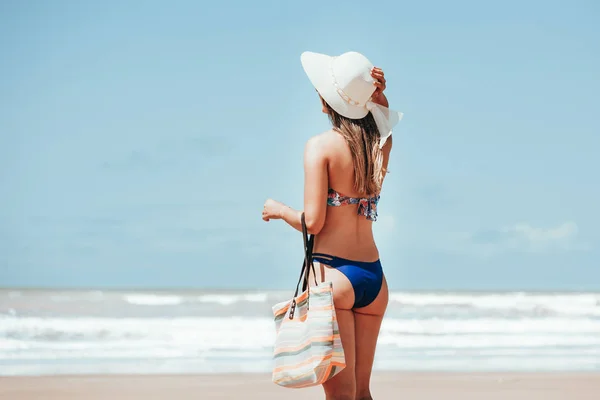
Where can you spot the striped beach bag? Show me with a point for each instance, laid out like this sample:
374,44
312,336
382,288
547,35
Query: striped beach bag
308,349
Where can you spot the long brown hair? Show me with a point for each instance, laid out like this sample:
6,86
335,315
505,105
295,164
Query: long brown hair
362,137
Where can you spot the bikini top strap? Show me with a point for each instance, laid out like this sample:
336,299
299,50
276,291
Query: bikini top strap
338,197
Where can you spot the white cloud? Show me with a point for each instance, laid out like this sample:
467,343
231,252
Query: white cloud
543,237
521,237
537,239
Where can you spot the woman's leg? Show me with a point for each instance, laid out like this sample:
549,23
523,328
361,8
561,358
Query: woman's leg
367,321
343,385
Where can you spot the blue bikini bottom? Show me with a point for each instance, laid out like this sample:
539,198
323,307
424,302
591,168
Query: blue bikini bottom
366,277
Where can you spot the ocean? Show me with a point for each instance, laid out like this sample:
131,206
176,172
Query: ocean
123,332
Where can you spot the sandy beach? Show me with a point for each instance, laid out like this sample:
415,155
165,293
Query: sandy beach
414,386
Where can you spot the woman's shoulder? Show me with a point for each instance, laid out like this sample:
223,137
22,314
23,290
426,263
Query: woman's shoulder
325,140
323,145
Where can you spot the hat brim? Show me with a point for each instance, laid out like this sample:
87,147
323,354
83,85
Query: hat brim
318,69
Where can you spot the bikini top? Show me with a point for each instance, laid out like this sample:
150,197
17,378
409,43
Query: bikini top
367,206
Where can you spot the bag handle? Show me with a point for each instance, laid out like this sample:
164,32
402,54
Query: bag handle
307,265
309,242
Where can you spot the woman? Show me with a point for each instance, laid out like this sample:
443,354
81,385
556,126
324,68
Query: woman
344,171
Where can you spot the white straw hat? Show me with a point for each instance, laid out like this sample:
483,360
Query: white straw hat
346,84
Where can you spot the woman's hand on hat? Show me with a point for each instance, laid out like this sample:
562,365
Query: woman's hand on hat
378,97
272,210
378,75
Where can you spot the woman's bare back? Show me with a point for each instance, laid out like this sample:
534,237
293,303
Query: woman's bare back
345,233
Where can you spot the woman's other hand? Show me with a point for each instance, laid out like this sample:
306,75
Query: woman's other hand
272,210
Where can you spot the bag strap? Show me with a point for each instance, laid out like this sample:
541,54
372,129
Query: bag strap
307,265
309,242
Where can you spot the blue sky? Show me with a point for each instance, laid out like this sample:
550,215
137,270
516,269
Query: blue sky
139,140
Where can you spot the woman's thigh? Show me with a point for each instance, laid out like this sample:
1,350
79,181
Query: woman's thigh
367,322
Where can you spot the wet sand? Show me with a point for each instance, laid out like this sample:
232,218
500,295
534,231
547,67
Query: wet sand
413,386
